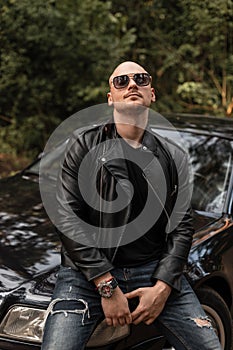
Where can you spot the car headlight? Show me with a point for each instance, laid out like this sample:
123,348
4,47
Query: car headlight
23,323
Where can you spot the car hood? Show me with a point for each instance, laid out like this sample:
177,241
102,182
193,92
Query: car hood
202,219
29,245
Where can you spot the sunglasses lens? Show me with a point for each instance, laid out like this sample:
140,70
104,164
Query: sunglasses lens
142,79
121,81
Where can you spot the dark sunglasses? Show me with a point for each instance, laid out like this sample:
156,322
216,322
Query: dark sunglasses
141,79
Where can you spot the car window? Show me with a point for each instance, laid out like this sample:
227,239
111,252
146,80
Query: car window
211,158
211,164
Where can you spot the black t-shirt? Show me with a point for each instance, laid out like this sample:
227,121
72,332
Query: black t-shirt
146,246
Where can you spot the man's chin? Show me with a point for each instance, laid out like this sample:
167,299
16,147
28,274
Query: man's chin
132,107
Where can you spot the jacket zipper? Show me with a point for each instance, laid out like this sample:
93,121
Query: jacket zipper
100,216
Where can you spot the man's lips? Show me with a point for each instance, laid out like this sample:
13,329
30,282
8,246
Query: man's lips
133,94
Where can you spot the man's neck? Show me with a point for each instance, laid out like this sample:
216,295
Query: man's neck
131,128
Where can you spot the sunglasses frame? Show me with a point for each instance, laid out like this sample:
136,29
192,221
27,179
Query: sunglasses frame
133,76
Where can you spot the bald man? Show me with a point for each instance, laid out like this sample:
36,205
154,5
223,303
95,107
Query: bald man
118,262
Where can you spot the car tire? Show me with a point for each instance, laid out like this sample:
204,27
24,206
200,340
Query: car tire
217,310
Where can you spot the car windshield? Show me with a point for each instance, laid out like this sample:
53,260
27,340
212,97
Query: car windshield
210,159
211,164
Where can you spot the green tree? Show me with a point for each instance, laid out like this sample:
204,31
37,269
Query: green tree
56,56
187,45
55,60
207,54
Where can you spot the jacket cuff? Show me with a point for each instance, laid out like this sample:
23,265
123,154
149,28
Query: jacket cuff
92,272
170,275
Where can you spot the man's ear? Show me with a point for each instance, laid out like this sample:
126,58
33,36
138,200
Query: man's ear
153,95
110,101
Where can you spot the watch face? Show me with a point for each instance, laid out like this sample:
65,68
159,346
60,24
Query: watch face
106,290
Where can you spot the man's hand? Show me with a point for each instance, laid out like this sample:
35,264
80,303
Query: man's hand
116,309
151,302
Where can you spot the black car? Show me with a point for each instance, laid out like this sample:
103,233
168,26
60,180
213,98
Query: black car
30,249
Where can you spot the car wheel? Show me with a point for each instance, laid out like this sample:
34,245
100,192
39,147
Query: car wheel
217,310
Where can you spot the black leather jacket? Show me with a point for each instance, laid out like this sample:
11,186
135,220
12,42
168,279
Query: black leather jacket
93,165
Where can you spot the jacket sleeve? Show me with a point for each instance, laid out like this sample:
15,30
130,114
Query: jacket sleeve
78,236
180,233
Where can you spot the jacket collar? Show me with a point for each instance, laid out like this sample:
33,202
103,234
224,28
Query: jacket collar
148,141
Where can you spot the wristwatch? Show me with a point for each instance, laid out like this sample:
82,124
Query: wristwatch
106,288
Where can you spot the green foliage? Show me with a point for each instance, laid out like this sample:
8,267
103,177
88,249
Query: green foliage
56,56
198,94
53,62
185,41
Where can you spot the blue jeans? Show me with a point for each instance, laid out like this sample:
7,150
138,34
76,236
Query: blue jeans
76,309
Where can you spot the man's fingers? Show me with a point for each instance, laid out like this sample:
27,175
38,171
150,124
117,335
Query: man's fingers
149,321
138,320
135,314
129,319
121,321
109,321
135,293
115,322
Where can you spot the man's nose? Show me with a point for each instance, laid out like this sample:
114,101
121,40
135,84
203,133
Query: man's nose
132,83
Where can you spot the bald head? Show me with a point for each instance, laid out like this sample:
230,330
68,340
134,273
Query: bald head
134,91
127,67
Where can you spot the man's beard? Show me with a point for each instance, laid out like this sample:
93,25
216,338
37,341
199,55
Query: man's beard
130,109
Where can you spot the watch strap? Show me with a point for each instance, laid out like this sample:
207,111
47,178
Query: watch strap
113,281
